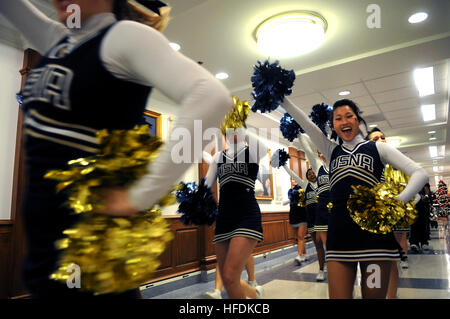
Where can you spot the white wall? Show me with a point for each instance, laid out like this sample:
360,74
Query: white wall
281,183
10,63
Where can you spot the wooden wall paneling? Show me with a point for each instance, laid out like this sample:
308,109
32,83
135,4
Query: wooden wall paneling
5,243
16,286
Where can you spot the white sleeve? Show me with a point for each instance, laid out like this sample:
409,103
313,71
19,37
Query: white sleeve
257,147
211,175
324,145
145,56
311,155
41,31
299,181
418,176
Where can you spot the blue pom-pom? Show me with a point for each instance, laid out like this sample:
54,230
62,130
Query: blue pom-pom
321,116
289,127
293,195
19,98
283,156
196,204
271,84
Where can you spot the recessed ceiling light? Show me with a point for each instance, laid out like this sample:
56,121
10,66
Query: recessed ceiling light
418,17
395,142
346,92
175,46
373,125
291,34
433,151
431,132
432,138
428,112
424,80
222,76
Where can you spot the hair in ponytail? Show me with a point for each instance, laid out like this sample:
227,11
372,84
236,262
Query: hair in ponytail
126,10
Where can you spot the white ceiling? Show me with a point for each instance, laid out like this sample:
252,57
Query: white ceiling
374,64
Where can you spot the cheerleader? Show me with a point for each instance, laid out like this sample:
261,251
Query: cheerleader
98,77
311,206
318,164
238,224
356,162
376,135
297,220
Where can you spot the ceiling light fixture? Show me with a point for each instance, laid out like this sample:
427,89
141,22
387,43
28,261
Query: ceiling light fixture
373,125
222,76
428,112
433,151
431,132
291,34
418,17
342,93
432,138
175,46
424,80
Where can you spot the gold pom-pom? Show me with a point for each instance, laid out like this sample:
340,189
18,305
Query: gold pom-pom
301,198
376,209
237,116
114,254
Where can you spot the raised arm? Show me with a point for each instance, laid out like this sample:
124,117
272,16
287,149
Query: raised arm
211,175
324,145
311,155
297,178
41,31
258,145
418,176
146,57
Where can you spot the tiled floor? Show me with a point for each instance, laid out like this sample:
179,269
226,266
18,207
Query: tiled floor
428,276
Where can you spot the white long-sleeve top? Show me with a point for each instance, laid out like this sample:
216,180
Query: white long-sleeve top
312,156
258,149
137,53
388,154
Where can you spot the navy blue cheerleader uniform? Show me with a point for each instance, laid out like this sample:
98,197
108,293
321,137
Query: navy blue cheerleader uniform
67,98
311,206
239,213
346,241
297,214
323,198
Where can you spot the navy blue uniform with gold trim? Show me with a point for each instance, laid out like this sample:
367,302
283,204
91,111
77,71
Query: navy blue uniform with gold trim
323,198
297,214
311,206
67,97
346,241
239,213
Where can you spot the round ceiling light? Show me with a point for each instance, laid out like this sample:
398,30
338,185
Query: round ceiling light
291,34
175,46
418,17
222,76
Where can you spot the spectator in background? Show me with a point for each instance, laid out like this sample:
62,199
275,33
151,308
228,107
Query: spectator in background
420,229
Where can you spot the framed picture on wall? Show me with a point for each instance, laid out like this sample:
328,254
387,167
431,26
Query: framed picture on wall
153,120
264,182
